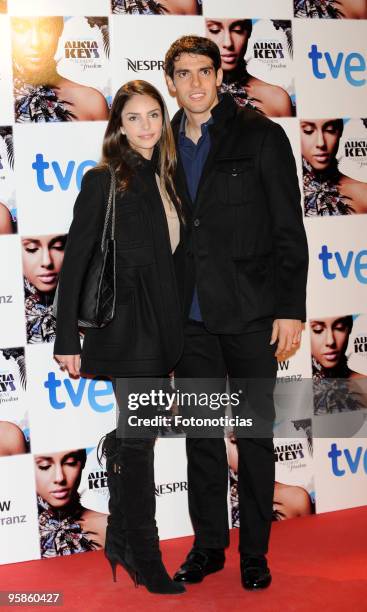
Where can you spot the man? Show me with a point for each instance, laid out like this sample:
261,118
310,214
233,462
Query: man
41,94
242,280
232,37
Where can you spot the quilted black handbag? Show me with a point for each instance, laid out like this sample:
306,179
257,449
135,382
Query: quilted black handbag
98,293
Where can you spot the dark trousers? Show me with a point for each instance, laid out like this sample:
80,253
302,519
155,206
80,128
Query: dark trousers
248,361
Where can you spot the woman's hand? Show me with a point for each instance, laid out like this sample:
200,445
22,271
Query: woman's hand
70,363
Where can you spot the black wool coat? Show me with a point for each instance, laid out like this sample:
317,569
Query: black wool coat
246,246
145,337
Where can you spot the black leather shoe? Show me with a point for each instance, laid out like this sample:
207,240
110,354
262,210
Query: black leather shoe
199,563
255,573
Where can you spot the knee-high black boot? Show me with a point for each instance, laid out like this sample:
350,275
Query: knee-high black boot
132,535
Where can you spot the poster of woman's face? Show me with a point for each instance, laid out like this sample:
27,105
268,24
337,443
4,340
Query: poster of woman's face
256,55
58,477
289,501
42,261
331,9
60,68
14,428
339,363
329,340
156,7
8,223
334,158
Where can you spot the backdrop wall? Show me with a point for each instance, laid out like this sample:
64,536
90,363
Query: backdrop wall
304,64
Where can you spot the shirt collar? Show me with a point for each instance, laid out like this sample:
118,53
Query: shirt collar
204,126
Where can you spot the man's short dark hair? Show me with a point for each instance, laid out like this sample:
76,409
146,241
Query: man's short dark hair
195,45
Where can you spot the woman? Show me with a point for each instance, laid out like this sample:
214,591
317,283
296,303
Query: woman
327,191
41,94
145,337
42,260
6,224
329,341
65,526
290,501
331,9
232,36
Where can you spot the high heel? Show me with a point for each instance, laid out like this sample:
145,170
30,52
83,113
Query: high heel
132,536
155,578
150,573
113,564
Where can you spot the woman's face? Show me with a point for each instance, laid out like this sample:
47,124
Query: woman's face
42,260
58,477
141,123
329,339
231,37
320,142
35,41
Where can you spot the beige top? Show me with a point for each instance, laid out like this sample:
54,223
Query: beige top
172,218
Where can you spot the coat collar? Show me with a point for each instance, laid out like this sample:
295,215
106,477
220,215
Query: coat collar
221,113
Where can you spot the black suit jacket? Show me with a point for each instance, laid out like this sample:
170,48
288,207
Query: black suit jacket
247,249
145,337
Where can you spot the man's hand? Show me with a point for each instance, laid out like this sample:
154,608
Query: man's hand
288,333
71,363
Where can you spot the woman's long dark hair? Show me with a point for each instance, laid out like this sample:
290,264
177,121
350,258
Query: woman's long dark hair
117,152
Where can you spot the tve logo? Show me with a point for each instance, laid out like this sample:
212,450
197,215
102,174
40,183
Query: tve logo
343,461
335,264
57,176
324,65
73,391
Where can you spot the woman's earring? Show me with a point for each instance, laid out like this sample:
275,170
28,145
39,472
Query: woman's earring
123,132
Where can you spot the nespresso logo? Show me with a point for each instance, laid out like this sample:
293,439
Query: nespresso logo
140,65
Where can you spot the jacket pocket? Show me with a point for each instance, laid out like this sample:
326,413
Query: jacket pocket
234,180
255,279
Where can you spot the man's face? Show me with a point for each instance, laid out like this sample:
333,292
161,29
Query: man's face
35,41
195,82
231,36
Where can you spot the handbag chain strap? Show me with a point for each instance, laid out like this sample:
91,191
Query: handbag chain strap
110,205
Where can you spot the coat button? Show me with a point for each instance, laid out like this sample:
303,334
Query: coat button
196,222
